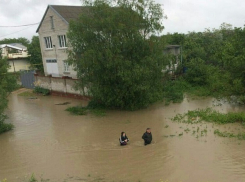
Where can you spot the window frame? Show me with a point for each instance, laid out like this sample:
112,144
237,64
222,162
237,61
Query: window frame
62,41
66,66
48,42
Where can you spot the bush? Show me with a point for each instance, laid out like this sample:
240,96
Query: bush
173,90
92,107
5,126
77,110
41,90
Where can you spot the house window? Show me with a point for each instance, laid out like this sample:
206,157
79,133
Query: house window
52,22
66,66
48,42
51,61
62,40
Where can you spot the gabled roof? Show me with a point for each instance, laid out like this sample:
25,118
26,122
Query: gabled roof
67,13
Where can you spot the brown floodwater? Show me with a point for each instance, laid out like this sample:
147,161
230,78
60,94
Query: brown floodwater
55,145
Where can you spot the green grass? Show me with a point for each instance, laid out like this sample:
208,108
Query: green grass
199,116
79,110
240,136
27,94
209,115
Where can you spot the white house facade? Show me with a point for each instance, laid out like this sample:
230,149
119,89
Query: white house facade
52,32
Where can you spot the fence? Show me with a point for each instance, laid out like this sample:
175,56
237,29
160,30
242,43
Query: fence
58,86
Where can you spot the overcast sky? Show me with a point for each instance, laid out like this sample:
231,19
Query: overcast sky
183,15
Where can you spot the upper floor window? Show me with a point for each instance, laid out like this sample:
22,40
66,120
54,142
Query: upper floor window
62,40
52,22
48,42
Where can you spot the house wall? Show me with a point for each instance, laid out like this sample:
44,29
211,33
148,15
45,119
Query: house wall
18,65
58,53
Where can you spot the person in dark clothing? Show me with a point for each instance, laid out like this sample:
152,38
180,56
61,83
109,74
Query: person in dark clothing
123,139
147,136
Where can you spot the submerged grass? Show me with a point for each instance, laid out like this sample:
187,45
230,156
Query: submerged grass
209,115
79,110
240,136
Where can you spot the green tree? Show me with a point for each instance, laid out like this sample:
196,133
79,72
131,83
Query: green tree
113,54
34,51
7,85
22,40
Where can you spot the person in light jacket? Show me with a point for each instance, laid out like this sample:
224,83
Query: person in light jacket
147,136
123,139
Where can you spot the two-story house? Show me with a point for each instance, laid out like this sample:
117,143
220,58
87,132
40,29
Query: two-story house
17,56
52,32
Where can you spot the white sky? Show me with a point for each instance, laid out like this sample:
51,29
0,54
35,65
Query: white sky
183,15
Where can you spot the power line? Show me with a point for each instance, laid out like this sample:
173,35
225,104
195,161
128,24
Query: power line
20,25
14,32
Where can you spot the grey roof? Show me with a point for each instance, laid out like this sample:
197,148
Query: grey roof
20,45
172,46
67,13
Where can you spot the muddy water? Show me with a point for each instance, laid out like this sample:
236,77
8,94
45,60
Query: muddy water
55,145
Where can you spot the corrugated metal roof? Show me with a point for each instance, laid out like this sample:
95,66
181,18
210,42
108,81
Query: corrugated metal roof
14,47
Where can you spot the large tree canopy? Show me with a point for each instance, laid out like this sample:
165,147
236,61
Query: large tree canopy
22,40
113,57
34,51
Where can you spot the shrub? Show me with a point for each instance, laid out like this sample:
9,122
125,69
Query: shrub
5,126
41,90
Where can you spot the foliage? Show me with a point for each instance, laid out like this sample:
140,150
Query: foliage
173,90
34,51
33,179
79,110
209,115
114,60
7,84
214,60
21,40
41,90
26,94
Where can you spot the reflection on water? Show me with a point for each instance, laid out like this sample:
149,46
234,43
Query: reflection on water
52,143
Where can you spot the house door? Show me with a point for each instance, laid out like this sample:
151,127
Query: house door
52,67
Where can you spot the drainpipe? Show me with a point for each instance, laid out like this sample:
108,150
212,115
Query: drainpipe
13,65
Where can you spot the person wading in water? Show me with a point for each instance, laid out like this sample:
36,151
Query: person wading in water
147,136
123,139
